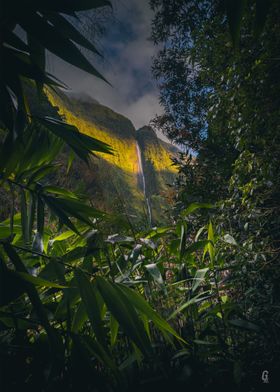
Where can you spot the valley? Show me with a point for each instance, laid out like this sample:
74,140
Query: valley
135,180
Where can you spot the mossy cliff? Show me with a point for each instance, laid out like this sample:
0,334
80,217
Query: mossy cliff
114,181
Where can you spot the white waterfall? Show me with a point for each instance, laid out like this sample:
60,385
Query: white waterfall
141,172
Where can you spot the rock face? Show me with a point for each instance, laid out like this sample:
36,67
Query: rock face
157,170
134,181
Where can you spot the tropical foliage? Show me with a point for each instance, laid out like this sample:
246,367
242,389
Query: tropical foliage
191,303
220,90
60,313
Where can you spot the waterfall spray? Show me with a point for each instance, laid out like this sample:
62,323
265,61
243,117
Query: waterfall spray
141,171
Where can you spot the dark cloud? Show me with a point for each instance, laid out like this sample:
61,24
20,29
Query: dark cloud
127,63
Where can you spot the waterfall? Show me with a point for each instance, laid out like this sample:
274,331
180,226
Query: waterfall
141,172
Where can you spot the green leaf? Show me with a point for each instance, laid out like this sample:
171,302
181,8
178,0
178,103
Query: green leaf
158,232
70,161
198,278
114,328
19,64
229,239
183,238
116,238
69,299
24,217
54,270
204,342
198,298
197,246
82,144
55,340
40,216
59,191
194,206
76,253
38,281
13,40
210,245
80,317
244,324
148,242
74,208
173,246
69,31
124,313
63,236
5,231
31,212
144,307
89,297
50,37
155,273
37,57
198,234
60,214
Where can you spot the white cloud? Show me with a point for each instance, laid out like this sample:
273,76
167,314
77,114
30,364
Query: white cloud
128,58
143,110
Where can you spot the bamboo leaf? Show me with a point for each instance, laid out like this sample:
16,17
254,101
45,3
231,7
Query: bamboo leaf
80,317
144,307
69,31
244,324
229,239
59,191
197,246
155,273
194,206
124,313
114,328
40,216
210,245
50,37
198,278
183,238
24,216
60,214
63,236
198,298
36,281
89,297
54,338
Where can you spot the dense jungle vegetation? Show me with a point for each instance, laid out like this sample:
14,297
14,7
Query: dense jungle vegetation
191,305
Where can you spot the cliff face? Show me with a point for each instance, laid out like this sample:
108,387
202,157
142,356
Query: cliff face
134,180
158,171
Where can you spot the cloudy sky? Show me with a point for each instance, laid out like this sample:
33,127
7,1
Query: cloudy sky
127,63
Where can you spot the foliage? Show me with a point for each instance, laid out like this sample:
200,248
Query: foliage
195,303
87,296
220,91
63,305
47,28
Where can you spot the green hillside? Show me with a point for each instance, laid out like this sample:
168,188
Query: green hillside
114,181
